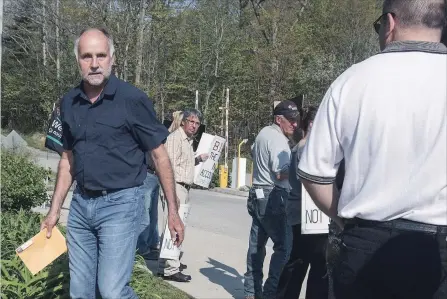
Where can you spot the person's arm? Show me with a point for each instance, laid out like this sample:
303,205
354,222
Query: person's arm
151,134
200,158
166,176
63,183
325,198
64,178
280,162
320,159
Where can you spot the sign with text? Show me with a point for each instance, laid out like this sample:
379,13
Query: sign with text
168,249
313,220
204,171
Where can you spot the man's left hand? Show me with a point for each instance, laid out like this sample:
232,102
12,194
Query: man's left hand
204,157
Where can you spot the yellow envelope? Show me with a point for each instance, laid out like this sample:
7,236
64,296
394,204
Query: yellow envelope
39,251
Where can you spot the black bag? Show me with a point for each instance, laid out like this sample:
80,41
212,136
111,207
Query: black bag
53,141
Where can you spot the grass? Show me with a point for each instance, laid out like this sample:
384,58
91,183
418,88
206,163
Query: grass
36,140
148,286
53,281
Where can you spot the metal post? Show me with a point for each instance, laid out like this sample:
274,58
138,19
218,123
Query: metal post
227,104
239,161
197,100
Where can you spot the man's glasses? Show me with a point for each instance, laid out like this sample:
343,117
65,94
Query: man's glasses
378,23
193,122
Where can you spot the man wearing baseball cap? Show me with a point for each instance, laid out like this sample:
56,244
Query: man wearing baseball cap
267,199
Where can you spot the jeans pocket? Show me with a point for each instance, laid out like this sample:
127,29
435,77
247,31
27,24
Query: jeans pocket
275,204
129,195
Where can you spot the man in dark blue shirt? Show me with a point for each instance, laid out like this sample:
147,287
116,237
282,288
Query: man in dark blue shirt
108,127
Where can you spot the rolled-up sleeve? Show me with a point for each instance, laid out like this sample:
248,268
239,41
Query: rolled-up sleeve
279,158
322,153
67,137
144,125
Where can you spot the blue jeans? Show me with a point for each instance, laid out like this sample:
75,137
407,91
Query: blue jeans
149,236
269,221
102,234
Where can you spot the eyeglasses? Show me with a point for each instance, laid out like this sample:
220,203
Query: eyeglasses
378,23
193,122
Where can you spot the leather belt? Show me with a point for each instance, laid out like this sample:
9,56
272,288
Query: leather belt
401,224
187,187
150,170
96,193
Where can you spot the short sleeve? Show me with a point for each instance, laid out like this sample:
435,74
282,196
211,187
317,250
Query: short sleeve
67,137
280,158
322,153
147,130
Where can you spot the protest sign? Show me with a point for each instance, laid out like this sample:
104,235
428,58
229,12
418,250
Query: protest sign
168,249
313,220
204,171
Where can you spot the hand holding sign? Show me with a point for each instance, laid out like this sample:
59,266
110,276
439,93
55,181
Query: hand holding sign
210,147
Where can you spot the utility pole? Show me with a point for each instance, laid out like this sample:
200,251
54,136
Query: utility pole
1,38
227,104
197,100
222,114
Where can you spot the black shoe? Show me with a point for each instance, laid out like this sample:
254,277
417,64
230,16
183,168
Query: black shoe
178,277
182,267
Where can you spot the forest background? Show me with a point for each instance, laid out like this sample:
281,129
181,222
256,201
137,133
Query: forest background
261,50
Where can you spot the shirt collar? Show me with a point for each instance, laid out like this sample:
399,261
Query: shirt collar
184,136
277,128
108,91
415,46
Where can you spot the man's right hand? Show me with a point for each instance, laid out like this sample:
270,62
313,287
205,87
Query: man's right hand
49,222
176,228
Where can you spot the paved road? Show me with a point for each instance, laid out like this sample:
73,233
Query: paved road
215,246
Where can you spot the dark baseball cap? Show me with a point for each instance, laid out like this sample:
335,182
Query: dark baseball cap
288,109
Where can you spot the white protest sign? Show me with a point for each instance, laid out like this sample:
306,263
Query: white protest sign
168,249
204,173
203,148
313,220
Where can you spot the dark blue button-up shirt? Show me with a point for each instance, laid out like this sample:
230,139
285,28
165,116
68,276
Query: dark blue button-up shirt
109,138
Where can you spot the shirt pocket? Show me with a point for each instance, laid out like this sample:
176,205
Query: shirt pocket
110,131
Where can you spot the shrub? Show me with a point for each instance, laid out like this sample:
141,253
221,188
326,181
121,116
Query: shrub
17,281
53,281
23,182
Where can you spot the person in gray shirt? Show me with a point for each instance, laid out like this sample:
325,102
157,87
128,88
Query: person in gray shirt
306,249
267,201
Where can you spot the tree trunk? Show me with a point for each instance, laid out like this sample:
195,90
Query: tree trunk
140,43
44,34
274,62
58,53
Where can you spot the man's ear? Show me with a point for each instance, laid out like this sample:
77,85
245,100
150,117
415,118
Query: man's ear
390,24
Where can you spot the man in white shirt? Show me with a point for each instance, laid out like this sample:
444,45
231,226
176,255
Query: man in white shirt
386,116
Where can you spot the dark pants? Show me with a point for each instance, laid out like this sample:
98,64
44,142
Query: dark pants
391,263
269,221
307,250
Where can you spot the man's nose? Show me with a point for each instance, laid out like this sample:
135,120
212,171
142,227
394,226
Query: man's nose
95,64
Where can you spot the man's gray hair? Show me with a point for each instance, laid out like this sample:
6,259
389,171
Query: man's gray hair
104,31
192,112
419,13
